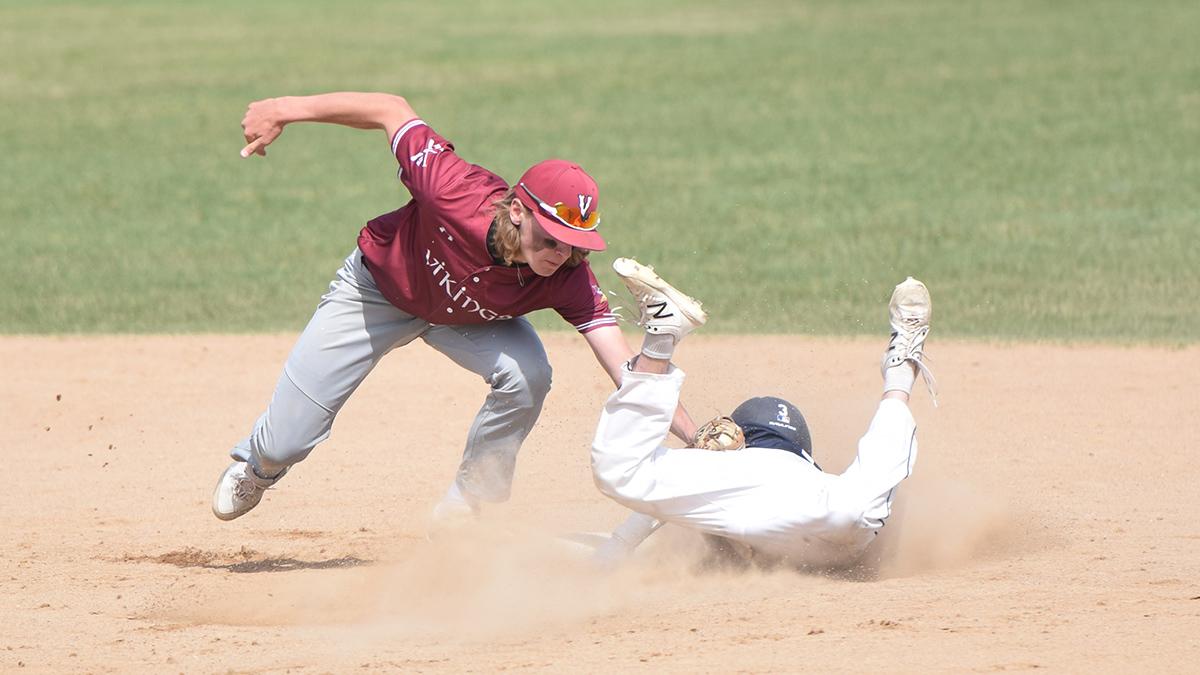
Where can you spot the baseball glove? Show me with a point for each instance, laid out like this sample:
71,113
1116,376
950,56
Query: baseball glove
720,434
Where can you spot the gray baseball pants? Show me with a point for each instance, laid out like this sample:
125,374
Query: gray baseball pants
352,329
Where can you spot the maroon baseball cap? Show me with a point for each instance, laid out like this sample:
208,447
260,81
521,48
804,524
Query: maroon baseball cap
565,201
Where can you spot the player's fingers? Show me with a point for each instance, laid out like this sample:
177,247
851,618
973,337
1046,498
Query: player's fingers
255,147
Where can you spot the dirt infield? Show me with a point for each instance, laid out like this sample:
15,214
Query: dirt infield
1049,522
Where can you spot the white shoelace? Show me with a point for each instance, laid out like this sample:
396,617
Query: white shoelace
912,348
246,488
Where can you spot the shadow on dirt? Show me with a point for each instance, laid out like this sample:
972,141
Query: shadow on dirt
244,561
289,564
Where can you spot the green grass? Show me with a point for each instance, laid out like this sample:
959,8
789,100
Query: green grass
1037,163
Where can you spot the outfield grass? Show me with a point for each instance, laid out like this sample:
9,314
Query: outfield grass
1037,163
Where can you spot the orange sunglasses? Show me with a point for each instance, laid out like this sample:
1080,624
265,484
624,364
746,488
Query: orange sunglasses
567,215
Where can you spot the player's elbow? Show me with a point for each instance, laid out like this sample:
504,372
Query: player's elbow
392,112
399,104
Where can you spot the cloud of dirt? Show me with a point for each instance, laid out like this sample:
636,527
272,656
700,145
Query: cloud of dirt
938,523
500,578
484,581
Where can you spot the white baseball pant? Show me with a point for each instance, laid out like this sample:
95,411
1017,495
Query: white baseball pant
772,500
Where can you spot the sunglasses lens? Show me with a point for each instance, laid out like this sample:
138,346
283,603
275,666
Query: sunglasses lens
567,213
572,216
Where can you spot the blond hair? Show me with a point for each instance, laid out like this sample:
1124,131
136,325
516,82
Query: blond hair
508,235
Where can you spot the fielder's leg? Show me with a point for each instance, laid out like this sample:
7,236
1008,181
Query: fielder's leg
510,357
351,330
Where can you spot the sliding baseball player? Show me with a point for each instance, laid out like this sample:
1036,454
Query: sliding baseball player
769,497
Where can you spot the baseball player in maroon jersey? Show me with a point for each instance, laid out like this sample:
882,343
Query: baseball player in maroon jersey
457,266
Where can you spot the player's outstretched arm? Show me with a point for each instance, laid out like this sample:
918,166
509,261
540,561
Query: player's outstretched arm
613,351
265,119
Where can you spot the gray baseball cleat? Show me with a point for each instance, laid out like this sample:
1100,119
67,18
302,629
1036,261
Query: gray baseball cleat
910,311
238,490
664,309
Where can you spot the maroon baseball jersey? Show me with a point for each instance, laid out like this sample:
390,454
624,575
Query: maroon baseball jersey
431,258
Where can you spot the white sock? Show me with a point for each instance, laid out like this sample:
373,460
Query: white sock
900,378
658,346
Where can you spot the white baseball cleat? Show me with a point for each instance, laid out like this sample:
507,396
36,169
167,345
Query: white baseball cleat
238,490
664,309
910,311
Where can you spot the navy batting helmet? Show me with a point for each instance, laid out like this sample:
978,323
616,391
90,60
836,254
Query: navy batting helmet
771,422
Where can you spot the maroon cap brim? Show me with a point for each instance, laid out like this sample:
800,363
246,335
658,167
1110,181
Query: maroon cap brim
589,239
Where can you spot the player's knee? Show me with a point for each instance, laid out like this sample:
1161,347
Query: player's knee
844,519
608,485
844,511
526,382
538,377
602,484
615,475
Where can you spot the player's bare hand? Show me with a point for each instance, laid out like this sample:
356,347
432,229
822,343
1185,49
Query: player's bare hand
261,126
